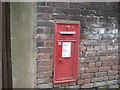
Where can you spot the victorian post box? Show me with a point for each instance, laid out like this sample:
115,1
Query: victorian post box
66,43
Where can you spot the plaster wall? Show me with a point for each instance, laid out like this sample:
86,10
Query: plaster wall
23,18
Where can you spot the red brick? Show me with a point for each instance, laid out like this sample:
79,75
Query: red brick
114,86
89,48
79,76
82,65
43,81
109,47
110,57
88,70
111,62
101,42
45,63
91,64
59,17
40,44
100,74
115,58
77,18
91,59
119,56
40,31
44,69
43,16
81,54
71,83
76,5
104,58
45,50
112,82
44,37
82,60
105,63
81,70
87,75
114,52
103,53
90,54
112,72
97,48
57,85
104,68
43,56
89,42
71,87
94,79
51,56
80,81
103,48
58,5
98,64
49,44
87,81
64,84
115,47
48,85
44,75
45,10
108,42
111,77
85,37
82,48
89,85
117,77
115,67
105,78
100,79
116,62
97,84
49,30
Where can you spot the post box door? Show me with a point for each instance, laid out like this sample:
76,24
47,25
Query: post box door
65,60
66,43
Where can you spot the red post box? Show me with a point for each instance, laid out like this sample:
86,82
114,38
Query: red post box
66,46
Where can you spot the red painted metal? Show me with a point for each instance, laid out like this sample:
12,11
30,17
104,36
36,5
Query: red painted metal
65,68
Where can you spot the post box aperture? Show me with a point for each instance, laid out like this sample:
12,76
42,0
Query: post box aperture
66,45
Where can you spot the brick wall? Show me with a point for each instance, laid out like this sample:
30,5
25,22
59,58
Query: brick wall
98,55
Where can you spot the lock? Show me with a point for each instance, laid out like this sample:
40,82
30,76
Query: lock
68,27
61,60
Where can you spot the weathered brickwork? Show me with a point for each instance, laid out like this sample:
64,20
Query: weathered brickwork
98,51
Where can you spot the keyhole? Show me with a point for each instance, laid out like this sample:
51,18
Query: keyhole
68,27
